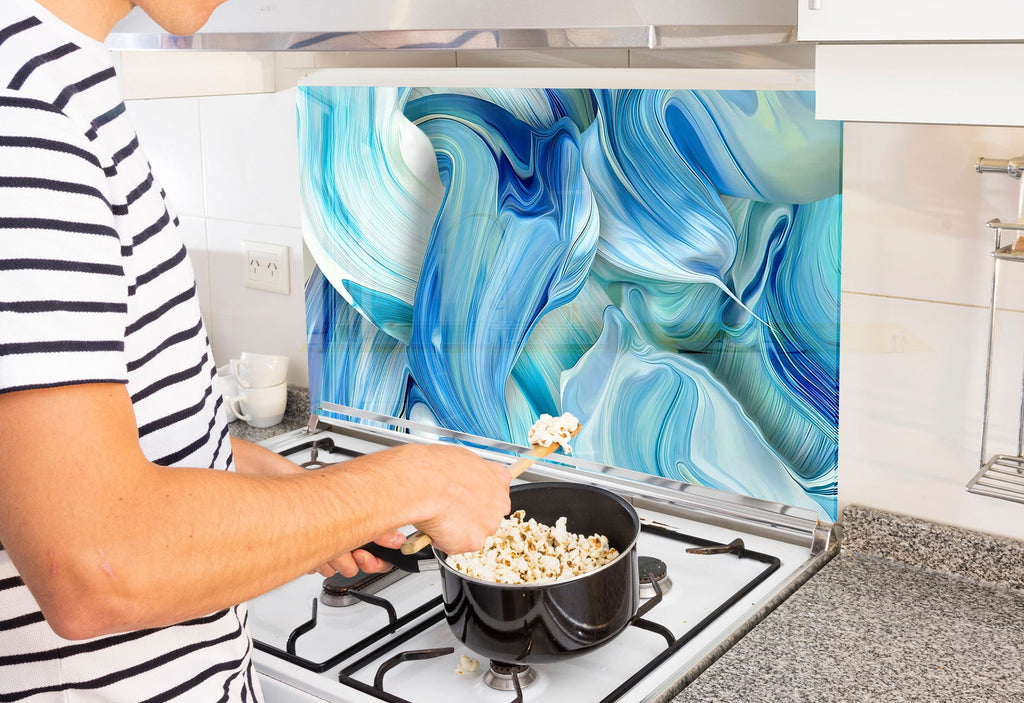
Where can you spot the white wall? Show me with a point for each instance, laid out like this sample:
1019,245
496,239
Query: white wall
916,283
230,168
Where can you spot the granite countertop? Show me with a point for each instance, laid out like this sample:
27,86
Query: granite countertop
907,611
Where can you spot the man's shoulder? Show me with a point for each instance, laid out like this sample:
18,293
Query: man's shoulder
23,112
28,124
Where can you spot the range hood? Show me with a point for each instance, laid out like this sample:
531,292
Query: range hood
369,25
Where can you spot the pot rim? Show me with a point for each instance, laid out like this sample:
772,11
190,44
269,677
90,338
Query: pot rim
441,556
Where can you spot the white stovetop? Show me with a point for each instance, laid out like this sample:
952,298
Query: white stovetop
700,584
585,678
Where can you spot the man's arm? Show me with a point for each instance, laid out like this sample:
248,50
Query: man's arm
107,541
251,458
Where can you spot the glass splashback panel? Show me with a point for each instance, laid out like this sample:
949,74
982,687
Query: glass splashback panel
663,264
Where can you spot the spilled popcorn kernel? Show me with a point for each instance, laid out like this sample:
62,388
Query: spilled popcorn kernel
526,551
467,665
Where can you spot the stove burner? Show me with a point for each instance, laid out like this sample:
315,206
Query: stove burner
327,444
339,591
652,567
502,677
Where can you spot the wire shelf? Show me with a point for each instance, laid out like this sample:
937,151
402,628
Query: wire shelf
1008,254
1001,477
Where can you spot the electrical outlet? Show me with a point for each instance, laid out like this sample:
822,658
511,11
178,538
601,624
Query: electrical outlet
265,266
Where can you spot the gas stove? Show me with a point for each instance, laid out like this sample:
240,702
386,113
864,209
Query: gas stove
713,564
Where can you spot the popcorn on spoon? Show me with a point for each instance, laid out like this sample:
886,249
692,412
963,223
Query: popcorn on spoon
546,435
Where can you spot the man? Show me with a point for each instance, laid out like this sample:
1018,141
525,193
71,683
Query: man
124,556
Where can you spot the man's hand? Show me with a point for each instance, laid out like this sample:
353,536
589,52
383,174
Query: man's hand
467,497
464,495
351,563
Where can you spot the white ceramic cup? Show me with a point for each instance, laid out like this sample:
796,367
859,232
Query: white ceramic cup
259,370
228,388
260,407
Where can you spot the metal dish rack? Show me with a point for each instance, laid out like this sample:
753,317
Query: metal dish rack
1001,475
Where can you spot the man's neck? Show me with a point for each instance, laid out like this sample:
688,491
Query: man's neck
94,18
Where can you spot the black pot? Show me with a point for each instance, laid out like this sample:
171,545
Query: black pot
543,622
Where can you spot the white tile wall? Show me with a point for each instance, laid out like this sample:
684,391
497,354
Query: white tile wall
911,399
229,165
193,233
244,319
291,67
169,132
790,55
916,282
914,210
250,158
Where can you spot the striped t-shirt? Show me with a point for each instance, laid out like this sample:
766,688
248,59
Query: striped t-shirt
95,286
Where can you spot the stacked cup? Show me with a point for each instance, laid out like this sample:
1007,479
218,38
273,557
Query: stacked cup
254,388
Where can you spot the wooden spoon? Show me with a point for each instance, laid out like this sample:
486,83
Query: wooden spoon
418,540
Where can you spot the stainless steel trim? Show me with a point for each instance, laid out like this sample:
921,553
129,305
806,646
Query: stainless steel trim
793,524
398,40
527,38
825,538
429,431
720,36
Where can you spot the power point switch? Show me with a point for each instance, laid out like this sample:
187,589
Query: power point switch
265,267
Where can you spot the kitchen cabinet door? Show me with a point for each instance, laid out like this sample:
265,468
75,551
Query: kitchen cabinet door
910,20
954,83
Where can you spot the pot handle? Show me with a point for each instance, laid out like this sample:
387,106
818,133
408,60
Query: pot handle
423,560
650,603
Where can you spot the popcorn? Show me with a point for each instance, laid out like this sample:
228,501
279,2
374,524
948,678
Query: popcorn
466,665
554,430
526,551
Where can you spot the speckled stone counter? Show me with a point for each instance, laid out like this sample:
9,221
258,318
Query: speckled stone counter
908,611
296,414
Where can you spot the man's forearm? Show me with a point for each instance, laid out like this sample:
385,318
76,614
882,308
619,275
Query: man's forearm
217,539
107,541
251,458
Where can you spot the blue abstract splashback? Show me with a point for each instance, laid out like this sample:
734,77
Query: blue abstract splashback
663,264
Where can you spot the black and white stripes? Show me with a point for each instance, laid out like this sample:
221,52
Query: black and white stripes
96,286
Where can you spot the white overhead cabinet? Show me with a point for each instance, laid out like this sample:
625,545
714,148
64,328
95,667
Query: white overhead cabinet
910,20
931,61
